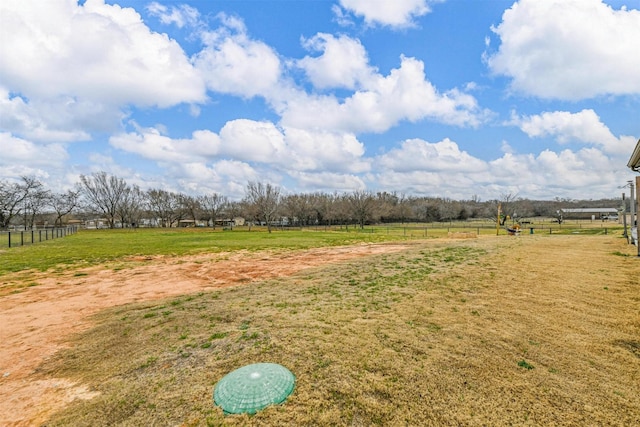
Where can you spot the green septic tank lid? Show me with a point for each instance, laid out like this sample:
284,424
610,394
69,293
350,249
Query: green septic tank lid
253,387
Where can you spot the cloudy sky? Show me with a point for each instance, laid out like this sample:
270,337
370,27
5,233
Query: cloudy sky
447,98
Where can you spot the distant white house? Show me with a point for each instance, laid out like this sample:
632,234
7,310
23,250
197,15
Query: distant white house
96,223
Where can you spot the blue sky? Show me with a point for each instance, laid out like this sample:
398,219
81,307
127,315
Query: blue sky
448,98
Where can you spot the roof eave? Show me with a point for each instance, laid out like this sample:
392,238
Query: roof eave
634,161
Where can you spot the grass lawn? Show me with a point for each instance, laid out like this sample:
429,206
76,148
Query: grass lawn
530,330
91,247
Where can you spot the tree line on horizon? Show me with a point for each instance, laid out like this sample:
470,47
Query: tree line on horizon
28,203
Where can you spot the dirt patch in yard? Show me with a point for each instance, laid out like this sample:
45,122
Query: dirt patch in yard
37,321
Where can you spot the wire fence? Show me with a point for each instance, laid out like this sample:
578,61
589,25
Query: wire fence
437,229
16,238
29,237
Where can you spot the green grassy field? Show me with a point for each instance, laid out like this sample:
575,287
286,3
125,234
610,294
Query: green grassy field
90,247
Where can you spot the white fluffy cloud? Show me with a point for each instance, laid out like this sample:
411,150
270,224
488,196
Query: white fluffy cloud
97,52
569,49
405,94
24,155
417,166
181,15
46,121
291,149
151,144
226,176
551,170
584,127
231,62
431,169
344,62
419,155
73,70
328,181
59,119
69,70
325,151
251,142
396,13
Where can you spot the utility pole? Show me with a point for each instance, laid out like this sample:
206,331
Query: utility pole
637,211
624,218
633,213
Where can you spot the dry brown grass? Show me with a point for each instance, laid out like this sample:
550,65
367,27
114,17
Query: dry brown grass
528,330
461,235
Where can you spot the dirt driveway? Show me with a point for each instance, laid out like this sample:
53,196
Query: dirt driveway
36,322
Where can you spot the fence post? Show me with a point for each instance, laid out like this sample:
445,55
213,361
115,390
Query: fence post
9,237
32,236
22,238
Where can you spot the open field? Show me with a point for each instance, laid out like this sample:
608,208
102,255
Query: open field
528,330
91,247
117,243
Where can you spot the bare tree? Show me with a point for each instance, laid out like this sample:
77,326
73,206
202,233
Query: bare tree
10,199
362,205
300,208
130,206
63,204
234,209
13,197
264,200
448,209
324,205
427,209
404,207
165,205
190,207
103,193
341,209
35,202
213,205
508,206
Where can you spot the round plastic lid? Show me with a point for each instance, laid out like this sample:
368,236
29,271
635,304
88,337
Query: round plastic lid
253,387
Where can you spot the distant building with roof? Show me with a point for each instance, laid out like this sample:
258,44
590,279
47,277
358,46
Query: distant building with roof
600,213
